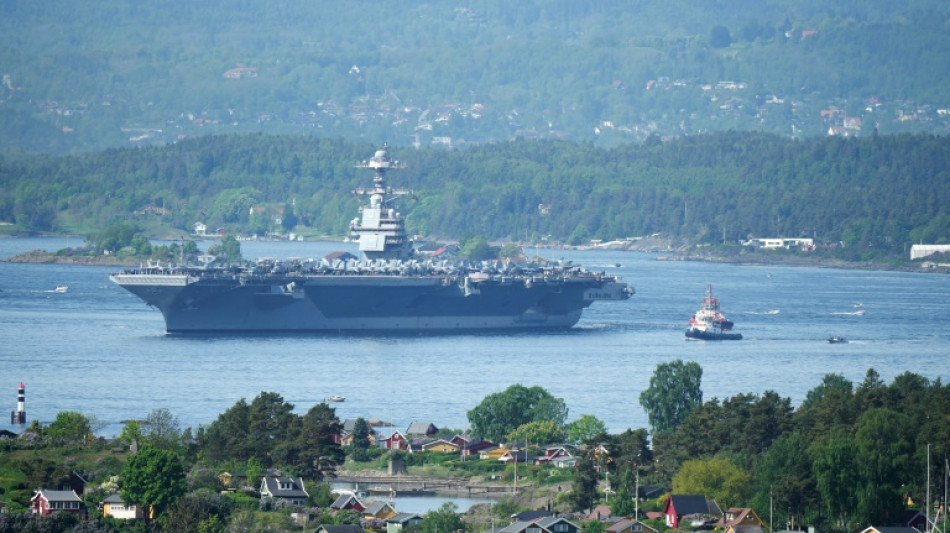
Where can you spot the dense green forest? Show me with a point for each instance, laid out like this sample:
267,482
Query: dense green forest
867,197
852,455
80,76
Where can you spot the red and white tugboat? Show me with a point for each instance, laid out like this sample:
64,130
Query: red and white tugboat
709,323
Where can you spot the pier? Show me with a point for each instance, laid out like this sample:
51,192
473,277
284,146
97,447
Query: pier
416,485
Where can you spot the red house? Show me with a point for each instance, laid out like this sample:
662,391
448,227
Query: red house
476,446
695,506
47,501
348,502
553,452
396,441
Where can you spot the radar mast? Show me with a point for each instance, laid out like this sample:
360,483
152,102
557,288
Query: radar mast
380,228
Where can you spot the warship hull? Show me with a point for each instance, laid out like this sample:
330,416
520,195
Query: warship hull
366,303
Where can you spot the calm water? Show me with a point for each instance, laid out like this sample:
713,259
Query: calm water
100,351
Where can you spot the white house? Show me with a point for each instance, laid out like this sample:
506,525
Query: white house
780,242
115,507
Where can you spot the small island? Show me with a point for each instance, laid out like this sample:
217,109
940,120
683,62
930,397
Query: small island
127,245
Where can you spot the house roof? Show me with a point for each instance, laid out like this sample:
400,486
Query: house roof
340,528
620,525
493,453
625,524
421,428
549,522
530,516
418,442
519,456
687,504
890,529
344,500
516,527
377,507
599,512
740,517
285,487
57,495
387,433
476,445
650,492
745,529
113,498
403,518
439,441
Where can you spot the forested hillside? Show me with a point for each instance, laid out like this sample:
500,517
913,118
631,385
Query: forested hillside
81,76
874,195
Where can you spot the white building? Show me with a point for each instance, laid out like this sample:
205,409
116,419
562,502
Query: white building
923,250
780,242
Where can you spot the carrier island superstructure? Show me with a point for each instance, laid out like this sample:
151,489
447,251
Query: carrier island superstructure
390,289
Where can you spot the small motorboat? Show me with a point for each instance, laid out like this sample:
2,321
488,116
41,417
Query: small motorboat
837,340
61,289
335,398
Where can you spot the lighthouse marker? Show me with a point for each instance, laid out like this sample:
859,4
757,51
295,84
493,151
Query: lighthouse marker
21,404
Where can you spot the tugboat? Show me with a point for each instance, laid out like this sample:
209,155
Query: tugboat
709,323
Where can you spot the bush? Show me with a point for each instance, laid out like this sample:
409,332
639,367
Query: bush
242,500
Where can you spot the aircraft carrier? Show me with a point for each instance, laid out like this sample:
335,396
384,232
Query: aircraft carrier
390,289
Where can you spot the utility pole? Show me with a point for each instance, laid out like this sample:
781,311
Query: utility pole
636,494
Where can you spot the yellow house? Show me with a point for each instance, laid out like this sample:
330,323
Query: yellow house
440,445
115,507
348,440
741,520
494,453
379,511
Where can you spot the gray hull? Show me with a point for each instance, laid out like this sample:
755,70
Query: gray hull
366,303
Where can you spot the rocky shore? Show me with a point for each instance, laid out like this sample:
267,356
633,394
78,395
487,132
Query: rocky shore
42,256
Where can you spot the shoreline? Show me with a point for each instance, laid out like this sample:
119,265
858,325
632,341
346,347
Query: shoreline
44,257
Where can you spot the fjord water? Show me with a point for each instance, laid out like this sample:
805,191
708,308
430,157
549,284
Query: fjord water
99,350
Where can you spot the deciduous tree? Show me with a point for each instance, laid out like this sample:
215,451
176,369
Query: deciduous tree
674,391
161,429
884,455
718,478
69,427
503,412
585,429
443,520
153,478
834,460
538,432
